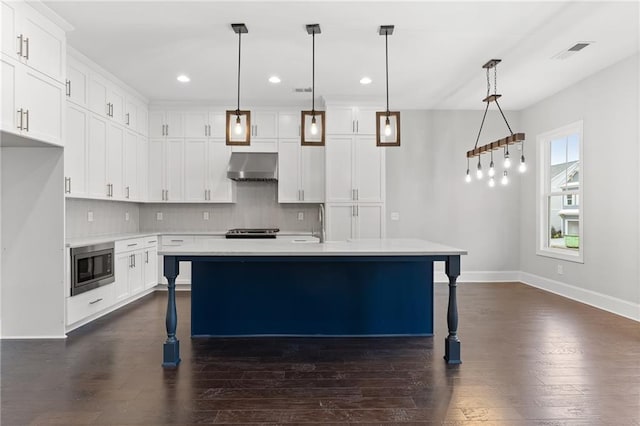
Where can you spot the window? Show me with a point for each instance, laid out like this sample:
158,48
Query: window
559,173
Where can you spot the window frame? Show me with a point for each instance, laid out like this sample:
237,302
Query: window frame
544,194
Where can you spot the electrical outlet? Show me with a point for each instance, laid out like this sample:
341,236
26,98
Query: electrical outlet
205,215
395,216
560,269
126,216
159,216
300,215
89,216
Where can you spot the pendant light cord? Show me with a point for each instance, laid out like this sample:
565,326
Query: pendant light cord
239,50
313,73
386,55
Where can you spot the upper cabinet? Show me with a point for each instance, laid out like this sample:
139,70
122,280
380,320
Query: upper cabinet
351,120
166,124
77,84
264,124
300,172
289,125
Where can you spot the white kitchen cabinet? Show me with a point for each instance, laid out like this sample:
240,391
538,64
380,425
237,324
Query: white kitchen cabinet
106,99
131,164
9,72
77,83
90,303
196,124
205,171
75,150
122,266
142,169
217,124
96,157
150,267
142,120
33,40
343,120
264,124
166,170
115,155
220,188
289,125
136,273
195,170
131,114
300,172
354,221
166,124
355,170
258,145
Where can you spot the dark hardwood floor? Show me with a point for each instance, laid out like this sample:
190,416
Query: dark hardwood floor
529,358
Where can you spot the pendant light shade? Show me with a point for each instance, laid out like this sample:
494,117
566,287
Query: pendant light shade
238,121
387,122
312,130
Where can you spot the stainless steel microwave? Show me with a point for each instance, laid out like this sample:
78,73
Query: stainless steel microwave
91,267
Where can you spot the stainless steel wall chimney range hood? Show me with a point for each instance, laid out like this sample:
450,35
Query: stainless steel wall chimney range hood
253,166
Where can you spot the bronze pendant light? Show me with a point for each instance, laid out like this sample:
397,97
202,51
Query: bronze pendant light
238,121
387,122
313,122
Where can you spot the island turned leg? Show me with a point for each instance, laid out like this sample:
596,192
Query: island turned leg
452,343
171,348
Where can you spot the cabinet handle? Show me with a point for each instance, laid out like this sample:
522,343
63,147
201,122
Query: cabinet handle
67,185
177,241
357,126
209,194
127,192
146,258
26,41
26,126
21,122
357,210
68,84
132,245
133,256
95,301
167,129
205,130
167,192
127,115
353,126
111,110
108,195
353,194
107,109
19,51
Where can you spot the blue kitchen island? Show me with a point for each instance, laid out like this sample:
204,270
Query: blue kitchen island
285,288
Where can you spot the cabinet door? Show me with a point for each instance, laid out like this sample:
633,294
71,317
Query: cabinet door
220,186
78,82
156,124
264,124
369,221
366,122
195,169
131,114
312,174
143,120
116,99
43,98
217,121
136,273
47,45
195,124
289,124
339,160
115,152
175,124
142,167
289,171
150,267
340,218
98,91
121,285
369,170
131,166
9,71
156,166
340,121
97,151
175,170
75,150
9,13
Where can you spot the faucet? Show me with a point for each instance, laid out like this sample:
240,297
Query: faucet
322,235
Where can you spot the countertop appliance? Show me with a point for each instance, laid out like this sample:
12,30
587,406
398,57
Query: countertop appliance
253,166
252,233
91,267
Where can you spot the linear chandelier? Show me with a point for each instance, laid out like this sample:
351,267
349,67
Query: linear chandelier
312,131
238,121
500,143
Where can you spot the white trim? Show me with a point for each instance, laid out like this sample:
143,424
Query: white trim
32,337
598,300
479,276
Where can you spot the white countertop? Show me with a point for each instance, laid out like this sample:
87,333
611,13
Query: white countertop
386,247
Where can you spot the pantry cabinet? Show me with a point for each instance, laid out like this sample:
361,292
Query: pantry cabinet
75,151
166,170
300,172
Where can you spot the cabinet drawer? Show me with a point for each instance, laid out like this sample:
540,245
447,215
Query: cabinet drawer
176,240
151,241
89,303
129,245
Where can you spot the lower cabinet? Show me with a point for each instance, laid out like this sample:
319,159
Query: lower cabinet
354,221
92,302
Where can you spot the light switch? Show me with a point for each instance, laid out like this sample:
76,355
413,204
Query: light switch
300,215
89,216
126,216
395,216
205,215
159,216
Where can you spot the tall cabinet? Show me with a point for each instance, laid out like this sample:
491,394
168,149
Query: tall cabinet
355,175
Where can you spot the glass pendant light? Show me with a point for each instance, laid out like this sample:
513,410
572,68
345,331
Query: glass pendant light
492,171
492,182
523,166
387,122
467,178
238,121
312,128
507,160
505,178
479,170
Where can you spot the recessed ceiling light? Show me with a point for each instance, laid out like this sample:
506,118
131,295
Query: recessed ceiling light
365,80
183,78
274,79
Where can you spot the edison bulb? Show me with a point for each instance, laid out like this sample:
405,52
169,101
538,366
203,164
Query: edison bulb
467,178
479,173
314,126
505,178
507,161
492,171
492,182
523,166
387,127
238,127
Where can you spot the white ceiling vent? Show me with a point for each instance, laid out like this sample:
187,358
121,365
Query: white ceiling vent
302,90
567,53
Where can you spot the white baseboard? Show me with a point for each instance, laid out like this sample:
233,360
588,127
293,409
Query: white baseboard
479,276
598,300
64,336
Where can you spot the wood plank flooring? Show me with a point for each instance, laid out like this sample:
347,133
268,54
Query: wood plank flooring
529,358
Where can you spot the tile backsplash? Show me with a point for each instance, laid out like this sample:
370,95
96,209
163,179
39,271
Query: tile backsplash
256,206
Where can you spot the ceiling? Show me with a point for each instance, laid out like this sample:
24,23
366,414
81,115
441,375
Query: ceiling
435,53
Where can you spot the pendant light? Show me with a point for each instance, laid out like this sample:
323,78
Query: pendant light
387,122
238,121
313,121
500,143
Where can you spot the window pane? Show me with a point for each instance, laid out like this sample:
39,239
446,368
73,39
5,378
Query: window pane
564,224
558,151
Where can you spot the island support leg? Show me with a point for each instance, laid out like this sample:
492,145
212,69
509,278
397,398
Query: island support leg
171,348
452,343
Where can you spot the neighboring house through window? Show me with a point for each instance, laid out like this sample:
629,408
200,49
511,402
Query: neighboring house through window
559,173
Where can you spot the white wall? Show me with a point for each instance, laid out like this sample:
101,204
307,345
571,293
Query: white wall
607,102
32,242
425,184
